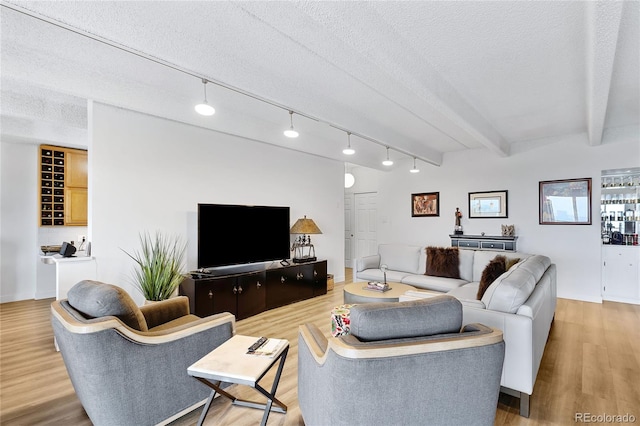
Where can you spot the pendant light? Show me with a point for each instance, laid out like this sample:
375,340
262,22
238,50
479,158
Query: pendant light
204,108
415,169
290,132
348,150
387,162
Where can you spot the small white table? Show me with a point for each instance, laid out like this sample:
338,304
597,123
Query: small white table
70,271
230,363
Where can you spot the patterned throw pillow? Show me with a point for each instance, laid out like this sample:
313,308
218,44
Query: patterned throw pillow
496,267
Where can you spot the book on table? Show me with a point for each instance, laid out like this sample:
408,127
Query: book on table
269,348
377,286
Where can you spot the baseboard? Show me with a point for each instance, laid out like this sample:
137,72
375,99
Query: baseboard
45,295
15,297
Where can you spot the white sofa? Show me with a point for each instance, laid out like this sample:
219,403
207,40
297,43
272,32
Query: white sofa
521,302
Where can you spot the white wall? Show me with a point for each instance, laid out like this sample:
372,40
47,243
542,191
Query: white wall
147,173
22,274
574,248
18,223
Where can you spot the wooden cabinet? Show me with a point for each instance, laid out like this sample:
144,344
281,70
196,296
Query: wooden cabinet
75,210
63,186
283,286
242,295
296,282
250,293
76,174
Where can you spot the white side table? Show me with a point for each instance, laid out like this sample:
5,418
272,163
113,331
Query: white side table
230,363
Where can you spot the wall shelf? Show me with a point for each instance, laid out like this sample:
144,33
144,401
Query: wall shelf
483,242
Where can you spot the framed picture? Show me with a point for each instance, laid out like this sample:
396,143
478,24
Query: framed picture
488,204
425,204
565,202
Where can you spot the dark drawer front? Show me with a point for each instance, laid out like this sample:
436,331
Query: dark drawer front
468,244
493,245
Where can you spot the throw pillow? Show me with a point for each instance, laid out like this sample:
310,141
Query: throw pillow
511,262
443,262
95,299
496,267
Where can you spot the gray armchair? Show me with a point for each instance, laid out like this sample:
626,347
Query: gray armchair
128,365
407,363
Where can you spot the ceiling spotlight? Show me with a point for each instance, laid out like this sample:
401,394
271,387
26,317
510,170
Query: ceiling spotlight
204,108
415,169
290,132
387,162
348,150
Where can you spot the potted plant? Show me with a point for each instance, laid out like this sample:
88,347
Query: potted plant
158,272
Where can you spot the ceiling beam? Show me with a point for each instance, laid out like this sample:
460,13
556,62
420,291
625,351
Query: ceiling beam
602,26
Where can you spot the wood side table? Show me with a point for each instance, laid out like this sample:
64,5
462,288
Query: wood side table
355,293
230,363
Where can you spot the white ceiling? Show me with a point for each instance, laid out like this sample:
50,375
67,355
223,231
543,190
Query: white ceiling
424,77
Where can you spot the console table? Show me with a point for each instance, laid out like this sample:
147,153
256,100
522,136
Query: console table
483,242
248,293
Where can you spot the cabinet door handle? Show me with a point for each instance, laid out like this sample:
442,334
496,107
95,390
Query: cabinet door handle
300,275
258,285
282,279
315,273
235,290
240,289
210,294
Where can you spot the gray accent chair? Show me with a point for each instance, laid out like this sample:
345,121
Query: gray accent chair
407,363
128,364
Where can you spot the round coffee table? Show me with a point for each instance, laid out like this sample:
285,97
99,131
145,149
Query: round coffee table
355,293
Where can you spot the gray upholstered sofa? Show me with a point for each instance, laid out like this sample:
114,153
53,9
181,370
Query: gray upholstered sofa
408,363
128,365
521,302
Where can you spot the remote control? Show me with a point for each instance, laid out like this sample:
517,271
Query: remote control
261,341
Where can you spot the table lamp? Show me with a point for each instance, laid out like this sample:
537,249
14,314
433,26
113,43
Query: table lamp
303,250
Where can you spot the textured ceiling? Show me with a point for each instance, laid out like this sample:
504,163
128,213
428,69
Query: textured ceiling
424,78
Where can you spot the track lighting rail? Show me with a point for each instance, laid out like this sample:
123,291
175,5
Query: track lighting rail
205,80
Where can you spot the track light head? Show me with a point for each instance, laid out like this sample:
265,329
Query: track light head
388,161
348,150
204,108
291,132
415,169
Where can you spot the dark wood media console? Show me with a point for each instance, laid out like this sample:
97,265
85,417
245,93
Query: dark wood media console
249,293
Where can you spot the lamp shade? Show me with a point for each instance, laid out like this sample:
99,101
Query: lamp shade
305,226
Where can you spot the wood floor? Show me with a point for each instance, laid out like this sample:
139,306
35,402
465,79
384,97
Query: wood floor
591,365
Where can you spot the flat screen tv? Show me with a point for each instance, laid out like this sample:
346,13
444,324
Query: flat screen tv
235,234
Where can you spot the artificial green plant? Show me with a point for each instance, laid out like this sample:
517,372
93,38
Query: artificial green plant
158,272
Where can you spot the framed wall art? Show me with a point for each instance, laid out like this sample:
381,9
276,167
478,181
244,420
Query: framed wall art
425,204
565,202
488,204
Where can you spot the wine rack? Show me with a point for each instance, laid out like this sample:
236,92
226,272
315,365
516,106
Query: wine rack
54,184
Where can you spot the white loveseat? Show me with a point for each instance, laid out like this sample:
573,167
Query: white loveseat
521,302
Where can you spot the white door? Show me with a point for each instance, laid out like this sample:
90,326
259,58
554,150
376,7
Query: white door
348,230
366,239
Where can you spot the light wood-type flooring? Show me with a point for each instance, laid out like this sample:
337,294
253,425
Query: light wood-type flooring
591,365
